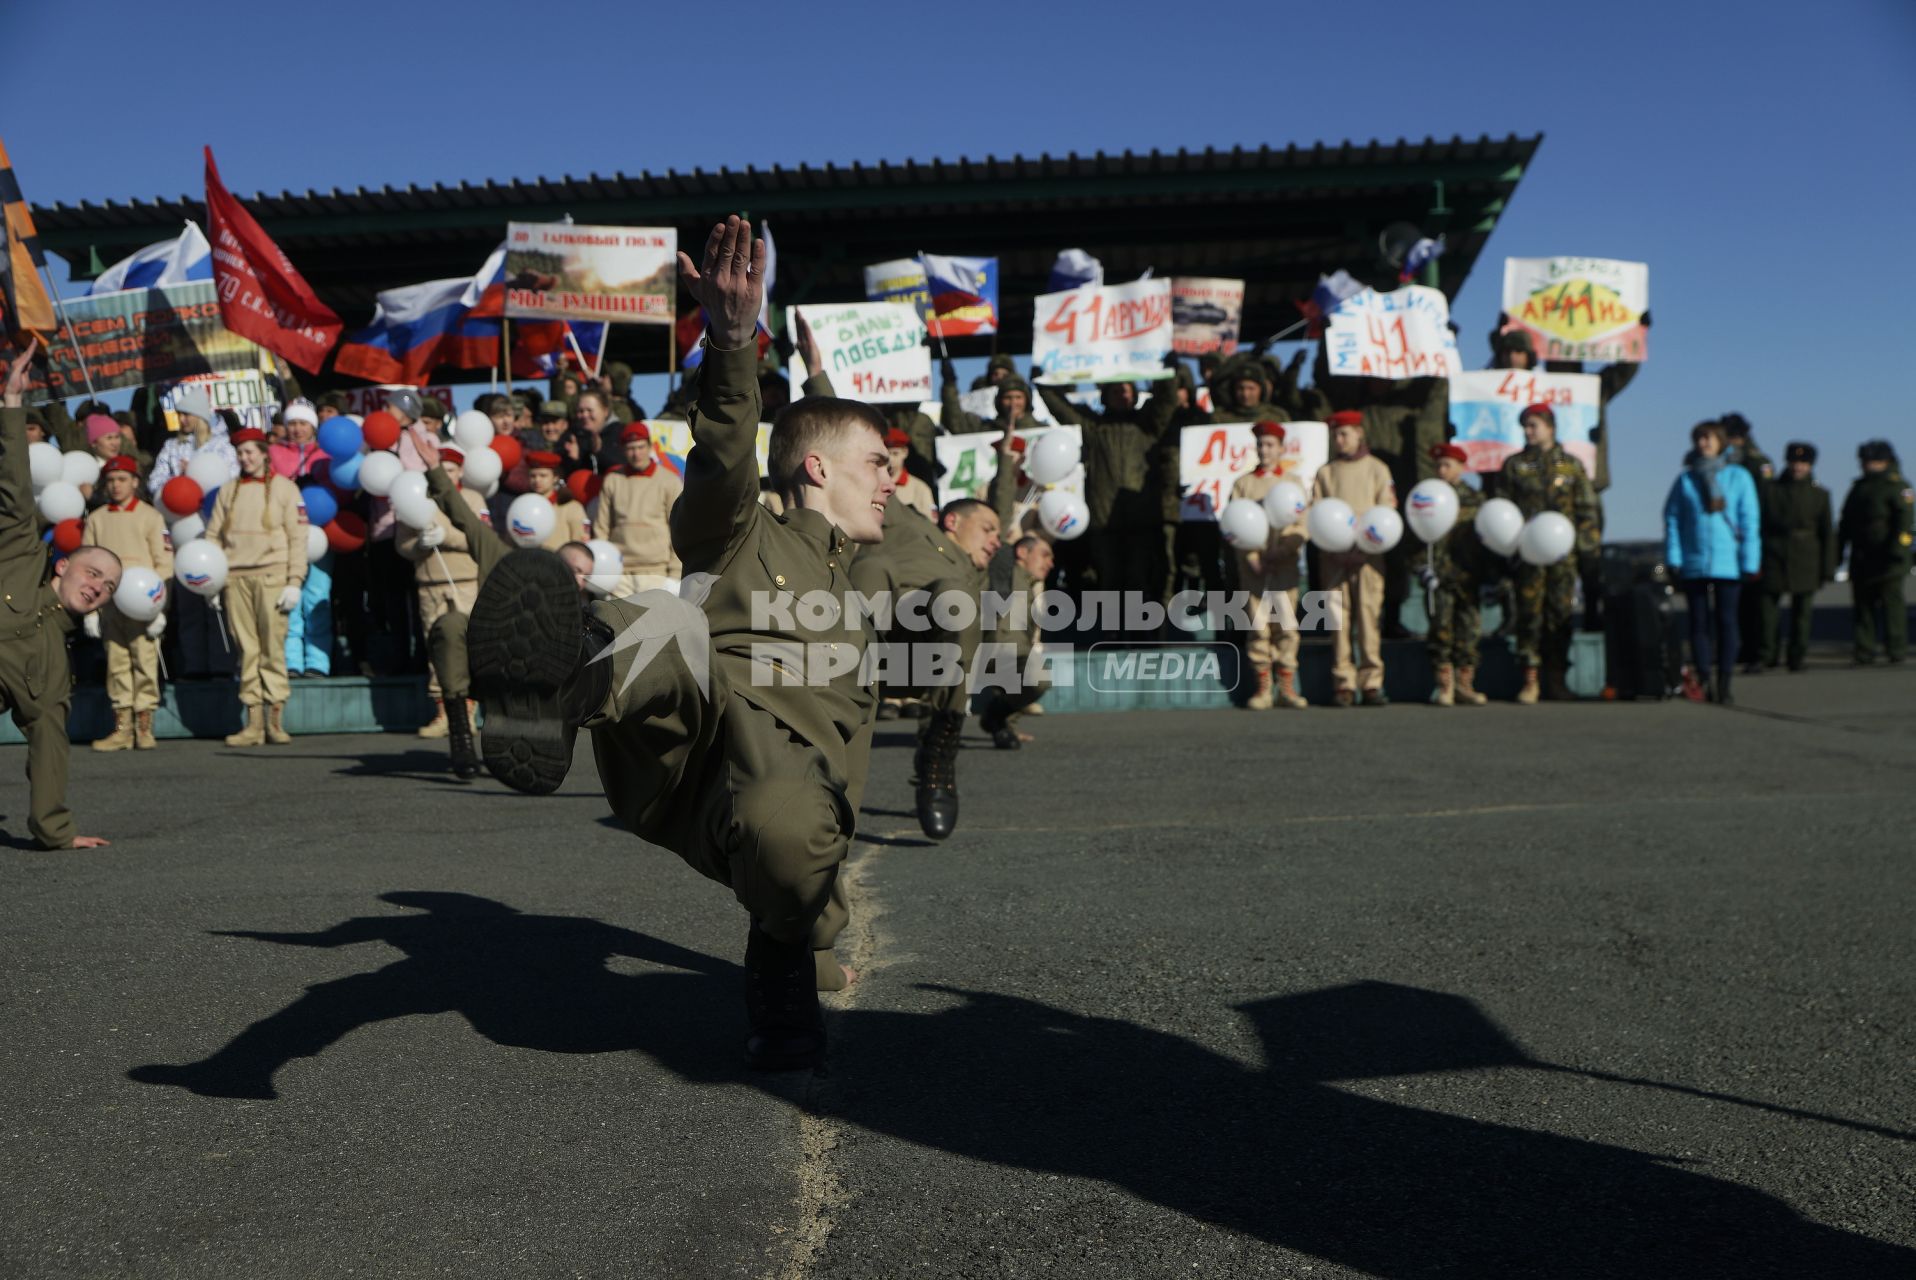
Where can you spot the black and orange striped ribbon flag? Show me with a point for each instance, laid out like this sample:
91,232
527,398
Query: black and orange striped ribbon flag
26,310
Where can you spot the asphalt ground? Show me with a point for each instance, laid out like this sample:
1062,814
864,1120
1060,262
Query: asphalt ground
1577,990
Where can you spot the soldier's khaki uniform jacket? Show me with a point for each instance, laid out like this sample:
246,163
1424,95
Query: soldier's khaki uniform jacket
915,554
260,526
455,551
719,527
1542,479
135,532
464,511
635,511
1119,449
1277,563
35,678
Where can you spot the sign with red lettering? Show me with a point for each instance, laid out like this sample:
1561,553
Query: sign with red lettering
137,336
563,271
1210,459
1108,333
1401,334
1205,313
1486,404
1588,309
873,351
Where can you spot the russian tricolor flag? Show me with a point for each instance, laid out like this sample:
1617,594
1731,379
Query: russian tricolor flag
964,294
456,322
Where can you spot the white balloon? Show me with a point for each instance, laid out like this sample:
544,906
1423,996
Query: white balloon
187,528
415,510
608,567
200,567
61,501
1547,539
481,468
1053,456
491,491
208,470
45,462
1244,524
316,544
407,482
1063,515
141,594
79,468
1431,509
1499,524
1330,524
1378,530
378,470
1285,504
473,430
529,520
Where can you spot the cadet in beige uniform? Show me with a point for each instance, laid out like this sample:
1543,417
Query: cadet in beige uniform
259,521
1268,573
635,509
37,614
448,581
134,531
542,471
1355,578
737,735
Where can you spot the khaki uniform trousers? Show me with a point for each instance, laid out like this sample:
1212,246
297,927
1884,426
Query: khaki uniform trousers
132,662
725,784
1356,586
437,602
1274,637
259,633
35,685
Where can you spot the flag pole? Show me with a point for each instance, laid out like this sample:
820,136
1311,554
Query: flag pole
672,352
505,349
72,337
605,337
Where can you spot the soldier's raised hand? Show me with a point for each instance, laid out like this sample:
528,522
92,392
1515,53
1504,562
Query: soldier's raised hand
19,373
808,346
729,283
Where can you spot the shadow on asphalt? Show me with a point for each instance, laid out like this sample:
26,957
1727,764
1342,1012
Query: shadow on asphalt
1276,1151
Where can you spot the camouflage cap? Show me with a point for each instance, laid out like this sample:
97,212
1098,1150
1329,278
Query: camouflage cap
552,409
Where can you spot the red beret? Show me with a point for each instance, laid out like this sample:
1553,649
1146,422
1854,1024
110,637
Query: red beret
244,434
550,461
636,431
897,439
1347,418
1271,429
120,462
1441,451
1543,411
449,454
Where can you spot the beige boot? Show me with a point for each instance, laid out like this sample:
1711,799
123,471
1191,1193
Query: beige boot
1287,694
122,736
1527,696
1446,695
1467,695
1261,699
143,730
275,730
435,727
254,734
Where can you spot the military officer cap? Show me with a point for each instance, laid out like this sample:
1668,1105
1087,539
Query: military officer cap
1799,451
553,409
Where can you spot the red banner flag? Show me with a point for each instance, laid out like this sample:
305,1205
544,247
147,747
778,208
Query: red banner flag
262,297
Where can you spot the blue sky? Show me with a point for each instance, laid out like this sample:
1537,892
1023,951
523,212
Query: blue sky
1761,157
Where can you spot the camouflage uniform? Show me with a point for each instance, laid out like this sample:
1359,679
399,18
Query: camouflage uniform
1548,479
1460,564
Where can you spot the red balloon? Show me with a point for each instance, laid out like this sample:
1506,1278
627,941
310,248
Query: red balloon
510,452
182,495
346,532
68,536
380,430
582,485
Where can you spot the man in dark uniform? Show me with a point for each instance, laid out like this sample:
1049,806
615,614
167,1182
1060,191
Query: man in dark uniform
37,615
1799,554
1742,450
1542,477
1876,529
737,733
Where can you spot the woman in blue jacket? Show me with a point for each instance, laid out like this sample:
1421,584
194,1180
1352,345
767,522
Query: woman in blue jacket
1712,536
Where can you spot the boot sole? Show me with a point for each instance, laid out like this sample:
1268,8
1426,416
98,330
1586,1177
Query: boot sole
523,642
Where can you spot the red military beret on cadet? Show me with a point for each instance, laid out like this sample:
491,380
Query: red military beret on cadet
540,458
636,431
1271,429
120,462
1438,452
244,434
449,454
897,439
1347,418
1543,411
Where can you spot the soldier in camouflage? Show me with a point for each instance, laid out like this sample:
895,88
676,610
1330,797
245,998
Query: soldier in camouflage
1453,580
1542,477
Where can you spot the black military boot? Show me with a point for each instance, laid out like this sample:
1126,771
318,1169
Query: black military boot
937,768
781,1000
531,644
994,722
465,756
1722,698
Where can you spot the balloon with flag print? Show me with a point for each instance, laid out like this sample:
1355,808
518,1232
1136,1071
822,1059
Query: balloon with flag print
1063,515
1431,509
1379,530
530,520
1285,504
1331,525
201,567
141,595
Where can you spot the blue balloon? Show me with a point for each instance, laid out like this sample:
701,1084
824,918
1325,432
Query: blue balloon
346,470
206,506
341,438
321,506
